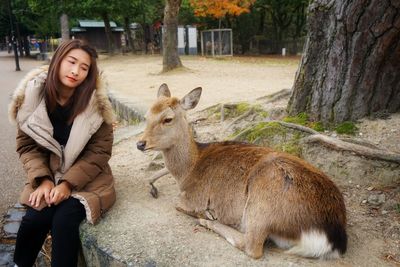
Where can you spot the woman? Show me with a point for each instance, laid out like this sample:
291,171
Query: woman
64,140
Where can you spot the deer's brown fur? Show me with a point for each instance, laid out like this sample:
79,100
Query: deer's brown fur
247,193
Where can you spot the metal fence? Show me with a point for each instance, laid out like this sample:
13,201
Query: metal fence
217,42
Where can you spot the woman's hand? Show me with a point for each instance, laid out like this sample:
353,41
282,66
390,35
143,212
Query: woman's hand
60,192
43,190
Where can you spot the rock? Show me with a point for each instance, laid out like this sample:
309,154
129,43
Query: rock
6,255
14,215
376,199
11,230
390,205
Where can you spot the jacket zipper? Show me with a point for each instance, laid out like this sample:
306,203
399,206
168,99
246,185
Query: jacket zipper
62,157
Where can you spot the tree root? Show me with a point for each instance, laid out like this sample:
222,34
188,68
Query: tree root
359,147
276,96
294,126
361,150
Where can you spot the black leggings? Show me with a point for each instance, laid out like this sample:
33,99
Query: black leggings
63,221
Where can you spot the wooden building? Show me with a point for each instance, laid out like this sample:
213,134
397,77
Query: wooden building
93,32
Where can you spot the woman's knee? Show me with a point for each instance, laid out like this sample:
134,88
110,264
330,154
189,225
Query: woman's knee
37,219
69,213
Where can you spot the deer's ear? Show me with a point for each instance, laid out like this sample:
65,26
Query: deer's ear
163,91
190,100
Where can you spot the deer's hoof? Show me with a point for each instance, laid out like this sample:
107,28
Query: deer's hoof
154,191
204,222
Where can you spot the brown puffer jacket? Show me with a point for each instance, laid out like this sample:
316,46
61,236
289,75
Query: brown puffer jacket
83,162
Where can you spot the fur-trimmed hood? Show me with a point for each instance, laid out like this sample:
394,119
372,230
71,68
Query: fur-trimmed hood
38,75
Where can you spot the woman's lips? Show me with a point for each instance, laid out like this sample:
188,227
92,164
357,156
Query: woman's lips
71,79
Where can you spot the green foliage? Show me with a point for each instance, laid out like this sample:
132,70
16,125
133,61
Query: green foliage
398,207
242,108
317,126
291,146
346,127
258,131
272,134
301,119
236,110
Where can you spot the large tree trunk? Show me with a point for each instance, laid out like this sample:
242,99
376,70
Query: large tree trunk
64,27
109,36
171,58
351,62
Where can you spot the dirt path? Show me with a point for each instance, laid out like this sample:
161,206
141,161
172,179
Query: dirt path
137,78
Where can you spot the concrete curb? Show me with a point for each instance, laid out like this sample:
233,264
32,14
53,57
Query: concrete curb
124,109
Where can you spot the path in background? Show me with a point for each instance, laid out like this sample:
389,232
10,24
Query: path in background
11,173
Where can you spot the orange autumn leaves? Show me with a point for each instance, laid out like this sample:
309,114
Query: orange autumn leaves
220,8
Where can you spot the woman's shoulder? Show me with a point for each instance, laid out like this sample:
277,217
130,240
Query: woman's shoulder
32,85
102,100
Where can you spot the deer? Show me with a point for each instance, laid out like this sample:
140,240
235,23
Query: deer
246,193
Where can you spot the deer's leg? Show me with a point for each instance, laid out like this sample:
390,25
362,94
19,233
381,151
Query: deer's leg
184,207
234,237
255,244
158,174
187,211
154,178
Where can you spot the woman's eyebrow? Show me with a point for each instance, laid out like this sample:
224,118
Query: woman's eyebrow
74,58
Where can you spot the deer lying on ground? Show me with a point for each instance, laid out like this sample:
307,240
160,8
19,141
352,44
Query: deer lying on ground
246,193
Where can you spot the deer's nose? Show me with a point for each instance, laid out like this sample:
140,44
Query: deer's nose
141,145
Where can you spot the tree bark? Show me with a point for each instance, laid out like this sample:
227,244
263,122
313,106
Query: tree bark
171,58
128,35
19,39
64,27
351,62
107,28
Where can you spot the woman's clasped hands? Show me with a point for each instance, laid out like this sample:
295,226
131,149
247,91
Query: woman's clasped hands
51,194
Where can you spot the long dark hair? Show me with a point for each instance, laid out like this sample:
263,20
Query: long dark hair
81,97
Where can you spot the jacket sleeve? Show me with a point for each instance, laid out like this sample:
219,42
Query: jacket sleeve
93,159
35,159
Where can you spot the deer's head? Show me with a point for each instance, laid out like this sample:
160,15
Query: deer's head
166,122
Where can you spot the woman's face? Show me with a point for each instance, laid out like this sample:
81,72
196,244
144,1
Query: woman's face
74,68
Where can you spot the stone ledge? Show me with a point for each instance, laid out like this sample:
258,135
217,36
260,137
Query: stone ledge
125,110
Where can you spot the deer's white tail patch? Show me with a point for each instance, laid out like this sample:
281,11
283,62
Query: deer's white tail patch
314,244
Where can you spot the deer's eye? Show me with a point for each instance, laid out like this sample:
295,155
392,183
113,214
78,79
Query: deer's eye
167,120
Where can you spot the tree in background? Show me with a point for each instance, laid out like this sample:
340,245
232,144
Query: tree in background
145,12
171,58
52,10
283,15
219,9
351,65
256,24
103,9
